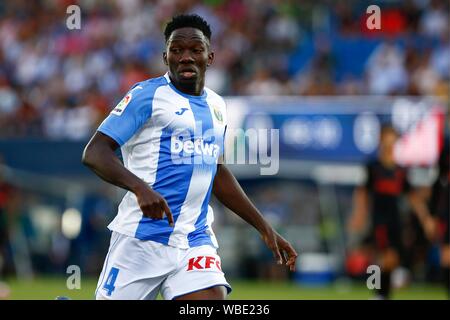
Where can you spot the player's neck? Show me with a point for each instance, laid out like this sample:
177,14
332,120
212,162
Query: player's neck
387,161
193,89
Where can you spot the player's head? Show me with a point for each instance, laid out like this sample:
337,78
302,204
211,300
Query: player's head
187,21
188,51
388,138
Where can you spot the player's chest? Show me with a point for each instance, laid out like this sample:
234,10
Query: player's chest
174,115
388,181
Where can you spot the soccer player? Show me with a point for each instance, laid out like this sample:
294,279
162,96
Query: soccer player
385,183
171,130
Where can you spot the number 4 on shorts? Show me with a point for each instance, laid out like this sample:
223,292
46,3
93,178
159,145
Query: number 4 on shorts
110,280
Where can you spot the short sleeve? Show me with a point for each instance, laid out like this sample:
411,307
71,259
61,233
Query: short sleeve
129,115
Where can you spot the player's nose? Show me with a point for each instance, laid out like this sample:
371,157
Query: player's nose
186,57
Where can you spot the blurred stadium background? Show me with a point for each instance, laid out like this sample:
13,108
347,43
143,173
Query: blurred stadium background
311,69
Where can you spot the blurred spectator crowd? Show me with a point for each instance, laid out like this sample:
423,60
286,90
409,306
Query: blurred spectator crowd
60,83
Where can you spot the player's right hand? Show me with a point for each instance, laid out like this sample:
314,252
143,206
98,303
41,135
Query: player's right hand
153,205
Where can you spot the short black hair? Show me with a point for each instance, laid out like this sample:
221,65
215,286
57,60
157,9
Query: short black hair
187,21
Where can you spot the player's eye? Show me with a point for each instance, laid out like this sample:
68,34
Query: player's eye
198,50
175,50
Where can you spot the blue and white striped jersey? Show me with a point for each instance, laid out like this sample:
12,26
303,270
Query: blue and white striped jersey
172,141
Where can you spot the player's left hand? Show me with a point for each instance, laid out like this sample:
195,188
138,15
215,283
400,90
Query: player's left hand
282,250
430,228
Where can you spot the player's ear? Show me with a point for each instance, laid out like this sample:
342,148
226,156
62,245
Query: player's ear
165,58
210,58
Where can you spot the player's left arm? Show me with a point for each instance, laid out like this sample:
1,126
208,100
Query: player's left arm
419,207
228,191
417,199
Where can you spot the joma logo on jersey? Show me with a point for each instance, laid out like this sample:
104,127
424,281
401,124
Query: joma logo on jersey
198,146
203,262
181,111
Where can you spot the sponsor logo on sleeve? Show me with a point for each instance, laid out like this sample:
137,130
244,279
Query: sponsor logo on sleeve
120,108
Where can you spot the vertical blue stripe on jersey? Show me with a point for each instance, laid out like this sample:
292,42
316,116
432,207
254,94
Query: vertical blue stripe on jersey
172,182
202,114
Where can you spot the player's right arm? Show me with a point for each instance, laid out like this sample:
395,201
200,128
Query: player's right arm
418,203
360,211
99,155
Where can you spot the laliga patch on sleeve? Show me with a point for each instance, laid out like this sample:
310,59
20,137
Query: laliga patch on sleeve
118,110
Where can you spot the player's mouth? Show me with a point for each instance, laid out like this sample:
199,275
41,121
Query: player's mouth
188,73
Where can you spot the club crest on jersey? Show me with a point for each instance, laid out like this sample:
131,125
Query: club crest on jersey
118,110
218,115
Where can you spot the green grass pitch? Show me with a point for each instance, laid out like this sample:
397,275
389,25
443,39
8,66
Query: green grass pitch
49,288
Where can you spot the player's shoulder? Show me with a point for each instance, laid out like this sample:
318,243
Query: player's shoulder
151,84
214,96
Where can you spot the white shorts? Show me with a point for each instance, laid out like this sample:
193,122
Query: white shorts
138,270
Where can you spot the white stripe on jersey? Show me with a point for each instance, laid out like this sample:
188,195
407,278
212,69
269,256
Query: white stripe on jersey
191,208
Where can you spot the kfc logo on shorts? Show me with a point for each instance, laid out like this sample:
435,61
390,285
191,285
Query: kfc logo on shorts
204,262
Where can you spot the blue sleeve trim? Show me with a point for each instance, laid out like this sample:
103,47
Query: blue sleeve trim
111,134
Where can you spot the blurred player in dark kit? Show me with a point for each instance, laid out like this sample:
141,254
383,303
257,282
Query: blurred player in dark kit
380,195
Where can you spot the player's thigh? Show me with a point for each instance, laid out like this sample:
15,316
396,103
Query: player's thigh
133,270
445,255
213,293
199,276
143,289
445,241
